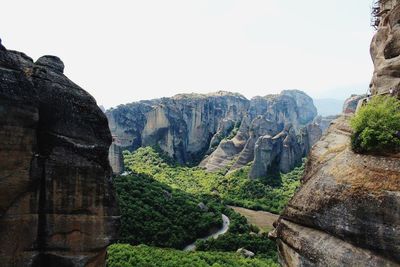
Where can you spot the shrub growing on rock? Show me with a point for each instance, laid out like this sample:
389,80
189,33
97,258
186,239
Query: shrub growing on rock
376,126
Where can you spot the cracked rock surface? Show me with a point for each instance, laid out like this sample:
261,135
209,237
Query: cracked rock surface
57,205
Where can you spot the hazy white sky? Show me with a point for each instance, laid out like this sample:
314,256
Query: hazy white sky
123,51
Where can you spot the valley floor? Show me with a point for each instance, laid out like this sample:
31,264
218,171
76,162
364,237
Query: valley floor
262,219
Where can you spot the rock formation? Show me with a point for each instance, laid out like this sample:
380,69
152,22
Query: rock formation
182,126
57,206
346,212
385,48
224,126
282,152
264,135
350,105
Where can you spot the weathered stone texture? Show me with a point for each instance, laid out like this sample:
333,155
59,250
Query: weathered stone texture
57,206
385,50
220,129
348,203
346,212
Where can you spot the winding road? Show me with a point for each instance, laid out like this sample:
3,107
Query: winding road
221,231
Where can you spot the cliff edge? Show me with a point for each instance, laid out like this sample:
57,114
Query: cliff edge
57,205
347,211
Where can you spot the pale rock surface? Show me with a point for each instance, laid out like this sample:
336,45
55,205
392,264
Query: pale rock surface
348,203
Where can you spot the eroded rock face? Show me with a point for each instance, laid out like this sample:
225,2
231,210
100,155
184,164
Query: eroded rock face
57,206
183,126
347,210
385,49
350,105
189,126
276,153
267,117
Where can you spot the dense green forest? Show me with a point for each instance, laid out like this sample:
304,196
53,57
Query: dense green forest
260,244
157,215
123,255
235,188
164,204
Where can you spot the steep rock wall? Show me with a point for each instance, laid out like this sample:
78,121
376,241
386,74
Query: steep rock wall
190,126
57,206
346,212
269,117
182,126
385,49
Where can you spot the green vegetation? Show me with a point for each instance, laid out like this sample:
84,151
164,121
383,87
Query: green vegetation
123,255
234,189
241,235
239,190
159,204
234,131
376,126
157,215
260,244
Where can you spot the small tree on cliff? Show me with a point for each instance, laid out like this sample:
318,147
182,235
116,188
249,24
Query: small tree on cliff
376,126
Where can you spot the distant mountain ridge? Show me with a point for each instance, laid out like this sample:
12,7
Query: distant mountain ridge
223,125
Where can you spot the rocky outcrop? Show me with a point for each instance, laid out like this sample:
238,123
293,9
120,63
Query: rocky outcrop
224,126
183,126
57,206
266,118
385,49
276,153
350,105
346,212
116,159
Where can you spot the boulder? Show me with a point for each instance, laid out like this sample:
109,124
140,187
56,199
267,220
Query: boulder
202,206
51,63
350,105
245,253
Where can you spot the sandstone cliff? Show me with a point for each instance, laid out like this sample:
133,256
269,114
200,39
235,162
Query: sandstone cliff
385,48
223,126
273,132
346,212
57,207
182,126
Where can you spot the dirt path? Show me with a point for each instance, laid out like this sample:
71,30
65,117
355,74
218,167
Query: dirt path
261,219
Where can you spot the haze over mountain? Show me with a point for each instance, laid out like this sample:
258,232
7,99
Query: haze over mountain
328,106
